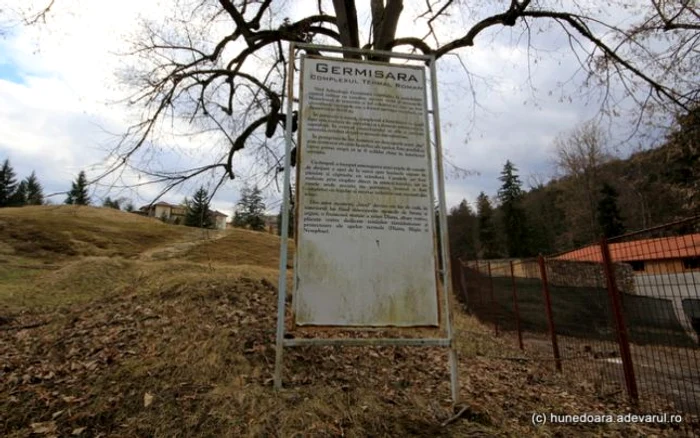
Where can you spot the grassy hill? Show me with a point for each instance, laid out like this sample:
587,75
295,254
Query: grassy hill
117,325
51,233
242,247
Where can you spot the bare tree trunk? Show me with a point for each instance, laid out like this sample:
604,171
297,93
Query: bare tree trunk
385,18
346,18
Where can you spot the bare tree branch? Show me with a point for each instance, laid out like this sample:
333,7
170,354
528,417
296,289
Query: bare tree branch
234,85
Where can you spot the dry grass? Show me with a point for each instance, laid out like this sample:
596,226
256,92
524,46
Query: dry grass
242,247
53,233
185,347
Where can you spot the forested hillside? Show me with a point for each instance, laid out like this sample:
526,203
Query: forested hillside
597,194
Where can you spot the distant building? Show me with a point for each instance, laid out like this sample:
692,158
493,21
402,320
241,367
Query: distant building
170,213
664,255
666,268
175,214
219,219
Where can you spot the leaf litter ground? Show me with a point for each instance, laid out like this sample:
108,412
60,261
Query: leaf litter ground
185,347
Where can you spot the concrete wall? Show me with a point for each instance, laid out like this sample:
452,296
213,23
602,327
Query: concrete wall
220,222
162,211
677,288
679,285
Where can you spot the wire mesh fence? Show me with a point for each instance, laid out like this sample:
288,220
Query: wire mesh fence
623,313
662,309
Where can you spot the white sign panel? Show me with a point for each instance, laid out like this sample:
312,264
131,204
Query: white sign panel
365,246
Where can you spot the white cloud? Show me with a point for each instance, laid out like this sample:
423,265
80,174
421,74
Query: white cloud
57,120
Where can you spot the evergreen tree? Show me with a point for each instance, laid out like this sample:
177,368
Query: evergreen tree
609,217
237,220
19,197
35,193
112,203
510,195
78,194
462,228
545,218
251,209
488,246
8,184
129,207
198,213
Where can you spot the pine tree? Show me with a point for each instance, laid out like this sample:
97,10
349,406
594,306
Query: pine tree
19,197
35,193
510,195
8,184
112,203
545,218
488,246
256,210
237,220
462,228
198,213
78,194
251,209
609,217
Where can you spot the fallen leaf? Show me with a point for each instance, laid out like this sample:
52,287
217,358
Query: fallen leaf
56,414
44,428
78,431
147,399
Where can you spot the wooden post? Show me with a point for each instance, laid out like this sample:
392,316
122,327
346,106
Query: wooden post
548,309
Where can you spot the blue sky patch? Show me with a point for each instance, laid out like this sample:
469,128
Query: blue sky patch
11,73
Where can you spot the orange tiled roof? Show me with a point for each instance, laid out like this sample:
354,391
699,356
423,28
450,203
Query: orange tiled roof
648,249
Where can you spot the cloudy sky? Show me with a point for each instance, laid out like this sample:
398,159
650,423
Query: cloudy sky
60,110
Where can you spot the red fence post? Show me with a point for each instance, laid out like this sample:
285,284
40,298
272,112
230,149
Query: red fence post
493,301
515,307
548,309
620,326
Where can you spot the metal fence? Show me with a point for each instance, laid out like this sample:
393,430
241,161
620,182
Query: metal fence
622,313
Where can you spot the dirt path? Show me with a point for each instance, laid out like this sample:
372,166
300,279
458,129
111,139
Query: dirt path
191,240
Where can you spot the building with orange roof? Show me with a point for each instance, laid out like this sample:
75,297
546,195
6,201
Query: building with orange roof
663,255
666,268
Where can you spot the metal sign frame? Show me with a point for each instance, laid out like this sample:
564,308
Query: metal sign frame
447,341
